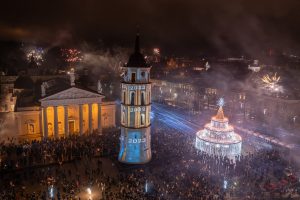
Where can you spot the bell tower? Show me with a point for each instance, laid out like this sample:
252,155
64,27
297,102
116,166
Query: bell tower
135,140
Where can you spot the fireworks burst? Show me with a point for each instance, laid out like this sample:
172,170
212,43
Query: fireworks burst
156,51
71,55
35,54
271,82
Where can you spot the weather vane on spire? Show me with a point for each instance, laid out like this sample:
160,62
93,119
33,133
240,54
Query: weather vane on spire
221,102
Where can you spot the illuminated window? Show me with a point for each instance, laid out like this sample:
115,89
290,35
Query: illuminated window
133,77
132,98
143,98
124,96
125,74
50,128
142,119
30,128
123,117
60,127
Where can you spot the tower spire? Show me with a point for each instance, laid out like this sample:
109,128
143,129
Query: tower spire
137,41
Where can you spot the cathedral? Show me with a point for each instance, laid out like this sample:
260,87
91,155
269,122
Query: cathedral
54,108
135,140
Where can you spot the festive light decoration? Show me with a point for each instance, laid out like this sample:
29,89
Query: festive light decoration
218,137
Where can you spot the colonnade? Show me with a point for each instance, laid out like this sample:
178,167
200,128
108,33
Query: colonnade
66,120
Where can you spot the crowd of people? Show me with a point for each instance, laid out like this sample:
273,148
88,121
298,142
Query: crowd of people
65,168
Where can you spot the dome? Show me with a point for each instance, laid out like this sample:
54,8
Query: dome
24,82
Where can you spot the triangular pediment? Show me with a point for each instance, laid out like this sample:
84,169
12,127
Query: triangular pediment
73,93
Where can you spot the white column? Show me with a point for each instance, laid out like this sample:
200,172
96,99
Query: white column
66,120
55,122
90,118
45,122
99,119
80,119
40,121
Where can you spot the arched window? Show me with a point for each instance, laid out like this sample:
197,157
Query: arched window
30,128
50,129
60,127
142,119
143,98
149,97
132,98
123,117
124,97
143,74
133,77
125,76
148,118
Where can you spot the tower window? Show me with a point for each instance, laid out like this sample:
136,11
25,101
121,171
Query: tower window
143,98
124,97
132,98
123,117
133,77
142,119
143,74
125,75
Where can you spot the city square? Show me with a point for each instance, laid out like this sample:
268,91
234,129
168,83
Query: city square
195,100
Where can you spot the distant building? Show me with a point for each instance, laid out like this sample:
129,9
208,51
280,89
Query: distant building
7,95
255,67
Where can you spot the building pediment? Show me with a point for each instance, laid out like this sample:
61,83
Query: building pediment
72,95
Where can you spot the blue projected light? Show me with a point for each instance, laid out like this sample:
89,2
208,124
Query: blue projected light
225,184
134,145
152,116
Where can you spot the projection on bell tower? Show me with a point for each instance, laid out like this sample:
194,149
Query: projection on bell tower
135,140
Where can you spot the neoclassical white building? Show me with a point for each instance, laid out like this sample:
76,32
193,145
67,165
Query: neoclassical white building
74,111
64,111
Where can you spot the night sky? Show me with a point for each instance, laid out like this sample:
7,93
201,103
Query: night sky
249,25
